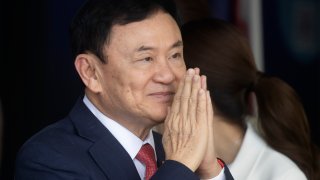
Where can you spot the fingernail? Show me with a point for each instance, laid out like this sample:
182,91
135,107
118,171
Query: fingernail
190,71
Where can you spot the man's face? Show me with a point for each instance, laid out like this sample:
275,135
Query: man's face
144,66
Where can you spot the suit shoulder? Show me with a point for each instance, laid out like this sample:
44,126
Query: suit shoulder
52,133
55,148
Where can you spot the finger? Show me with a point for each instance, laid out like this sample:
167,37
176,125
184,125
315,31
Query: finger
201,108
171,121
177,96
196,86
171,130
171,126
209,110
210,116
185,96
201,121
210,120
204,82
197,70
167,121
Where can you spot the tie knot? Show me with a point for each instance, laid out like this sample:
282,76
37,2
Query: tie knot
146,156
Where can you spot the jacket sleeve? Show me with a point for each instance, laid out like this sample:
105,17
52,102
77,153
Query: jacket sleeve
175,170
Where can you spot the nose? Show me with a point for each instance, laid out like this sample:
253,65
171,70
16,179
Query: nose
165,73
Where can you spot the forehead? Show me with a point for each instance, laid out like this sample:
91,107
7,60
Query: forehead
157,28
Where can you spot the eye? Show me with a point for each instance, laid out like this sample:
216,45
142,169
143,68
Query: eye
176,56
147,59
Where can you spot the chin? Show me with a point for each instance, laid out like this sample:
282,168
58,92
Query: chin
157,112
160,115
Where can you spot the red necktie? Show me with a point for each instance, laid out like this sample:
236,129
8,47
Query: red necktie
147,157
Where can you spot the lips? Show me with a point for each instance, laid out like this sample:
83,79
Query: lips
163,96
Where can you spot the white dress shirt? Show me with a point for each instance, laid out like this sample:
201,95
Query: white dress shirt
130,142
256,160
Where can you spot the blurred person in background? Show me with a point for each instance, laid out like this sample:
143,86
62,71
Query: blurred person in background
261,129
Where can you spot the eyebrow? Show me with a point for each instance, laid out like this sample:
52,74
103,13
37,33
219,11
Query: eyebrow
179,43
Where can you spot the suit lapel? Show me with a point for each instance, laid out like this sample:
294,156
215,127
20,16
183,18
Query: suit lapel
159,148
106,151
113,160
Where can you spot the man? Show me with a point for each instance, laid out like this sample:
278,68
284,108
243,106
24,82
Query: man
129,55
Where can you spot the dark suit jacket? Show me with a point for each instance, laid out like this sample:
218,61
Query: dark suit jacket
80,147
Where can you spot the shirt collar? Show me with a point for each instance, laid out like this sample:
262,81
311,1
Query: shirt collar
130,142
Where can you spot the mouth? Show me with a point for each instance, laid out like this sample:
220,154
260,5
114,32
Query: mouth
166,97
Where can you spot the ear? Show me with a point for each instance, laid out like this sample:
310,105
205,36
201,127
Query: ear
86,66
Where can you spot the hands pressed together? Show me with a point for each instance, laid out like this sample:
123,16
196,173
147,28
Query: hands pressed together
188,129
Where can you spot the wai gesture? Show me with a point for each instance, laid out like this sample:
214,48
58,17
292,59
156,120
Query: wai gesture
188,135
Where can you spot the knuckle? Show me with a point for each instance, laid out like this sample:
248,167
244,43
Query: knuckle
192,100
200,111
185,98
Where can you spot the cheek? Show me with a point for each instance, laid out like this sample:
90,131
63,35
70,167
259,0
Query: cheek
180,72
133,84
138,83
113,83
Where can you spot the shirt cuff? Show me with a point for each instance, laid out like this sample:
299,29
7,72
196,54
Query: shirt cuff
221,176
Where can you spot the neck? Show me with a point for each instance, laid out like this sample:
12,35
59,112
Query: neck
228,139
141,132
134,125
